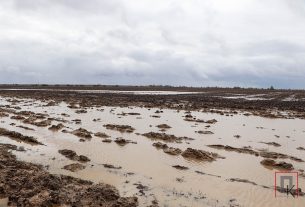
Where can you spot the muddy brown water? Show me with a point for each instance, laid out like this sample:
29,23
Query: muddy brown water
143,164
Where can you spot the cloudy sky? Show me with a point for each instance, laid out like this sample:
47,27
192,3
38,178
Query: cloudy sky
255,43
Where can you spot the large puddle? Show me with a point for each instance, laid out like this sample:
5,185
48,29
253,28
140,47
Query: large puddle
142,163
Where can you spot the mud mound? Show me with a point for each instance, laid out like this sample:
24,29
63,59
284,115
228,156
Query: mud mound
19,137
83,133
163,126
81,111
160,145
172,151
204,132
165,137
112,166
18,117
200,155
278,165
276,155
43,123
180,167
26,184
120,128
122,142
56,127
74,167
234,149
101,135
70,154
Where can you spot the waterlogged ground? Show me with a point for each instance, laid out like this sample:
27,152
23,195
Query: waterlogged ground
140,169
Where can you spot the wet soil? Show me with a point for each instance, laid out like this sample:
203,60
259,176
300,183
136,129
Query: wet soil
186,167
70,154
19,137
207,99
120,128
27,184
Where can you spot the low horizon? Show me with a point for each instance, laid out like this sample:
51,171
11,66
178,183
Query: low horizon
146,87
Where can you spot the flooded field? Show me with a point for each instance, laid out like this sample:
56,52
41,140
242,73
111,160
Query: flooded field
164,157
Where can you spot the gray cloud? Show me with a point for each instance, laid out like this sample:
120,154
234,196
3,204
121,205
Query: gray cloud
200,43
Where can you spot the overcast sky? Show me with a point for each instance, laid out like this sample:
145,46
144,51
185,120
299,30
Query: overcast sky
249,43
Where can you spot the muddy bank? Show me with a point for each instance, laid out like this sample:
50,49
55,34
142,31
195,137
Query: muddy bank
19,137
26,184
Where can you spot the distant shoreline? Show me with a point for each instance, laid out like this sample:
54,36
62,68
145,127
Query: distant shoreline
140,88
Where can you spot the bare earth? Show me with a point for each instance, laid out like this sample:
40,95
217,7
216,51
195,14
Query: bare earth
149,146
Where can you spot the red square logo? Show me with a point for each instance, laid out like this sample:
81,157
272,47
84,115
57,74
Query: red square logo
286,184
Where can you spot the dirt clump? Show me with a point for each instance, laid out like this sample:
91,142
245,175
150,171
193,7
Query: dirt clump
2,114
163,126
74,167
234,149
56,127
160,145
25,113
70,154
120,128
165,137
300,148
51,103
212,121
18,117
130,113
204,132
172,151
77,121
142,188
19,137
83,133
278,165
81,111
180,167
199,155
276,155
27,184
101,135
112,166
262,153
43,123
122,142
107,140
